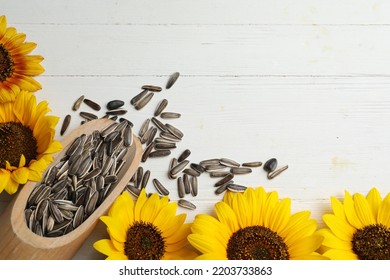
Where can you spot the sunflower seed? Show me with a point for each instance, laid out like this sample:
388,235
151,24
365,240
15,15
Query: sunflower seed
178,168
270,165
180,187
172,164
133,190
160,107
172,79
147,152
162,140
215,174
240,170
174,131
164,146
185,154
160,153
55,212
42,207
91,203
206,162
186,204
116,112
160,187
170,115
144,101
229,162
126,120
111,179
159,124
65,124
114,104
78,216
224,180
92,104
194,186
128,136
146,135
92,174
191,172
144,128
199,168
210,168
276,172
252,164
138,97
88,116
170,137
187,184
152,88
77,103
221,189
236,188
145,179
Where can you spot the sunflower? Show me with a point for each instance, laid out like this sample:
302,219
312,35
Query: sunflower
147,229
255,225
26,141
16,67
359,228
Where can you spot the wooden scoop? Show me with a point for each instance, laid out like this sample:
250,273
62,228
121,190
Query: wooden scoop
17,241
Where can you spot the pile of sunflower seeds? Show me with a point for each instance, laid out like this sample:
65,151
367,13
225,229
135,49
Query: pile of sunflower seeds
159,139
72,189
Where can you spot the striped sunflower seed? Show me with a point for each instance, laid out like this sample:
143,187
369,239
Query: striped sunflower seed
178,168
240,170
92,104
172,80
229,162
252,164
77,103
115,104
152,88
160,107
160,153
180,187
160,187
175,131
185,154
144,101
170,115
138,97
88,116
276,172
186,204
65,124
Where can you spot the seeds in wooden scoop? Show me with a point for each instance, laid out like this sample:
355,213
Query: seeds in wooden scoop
160,107
115,104
77,103
92,104
65,124
72,189
172,80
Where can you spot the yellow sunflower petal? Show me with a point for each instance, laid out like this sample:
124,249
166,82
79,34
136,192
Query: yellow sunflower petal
272,201
12,186
117,230
179,236
117,256
20,175
384,212
242,209
300,231
151,208
205,244
183,254
350,211
339,227
227,216
336,254
374,200
105,247
208,225
175,223
280,215
332,241
338,208
211,256
4,178
254,205
305,246
139,205
363,210
3,25
163,219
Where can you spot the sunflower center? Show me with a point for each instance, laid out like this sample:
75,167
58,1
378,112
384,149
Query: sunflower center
256,243
16,140
6,64
144,241
372,242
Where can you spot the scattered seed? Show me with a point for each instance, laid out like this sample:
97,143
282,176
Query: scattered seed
164,146
159,124
180,187
160,107
160,153
178,168
174,131
170,115
276,172
88,116
152,88
270,165
117,112
224,180
65,124
170,137
252,164
115,104
144,101
172,79
210,168
194,186
144,128
199,168
215,174
147,152
236,188
92,104
187,184
191,172
229,162
221,189
185,154
240,170
77,103
160,187
206,162
145,179
186,204
133,190
138,97
172,164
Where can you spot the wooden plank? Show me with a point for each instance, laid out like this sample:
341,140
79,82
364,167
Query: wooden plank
198,12
129,50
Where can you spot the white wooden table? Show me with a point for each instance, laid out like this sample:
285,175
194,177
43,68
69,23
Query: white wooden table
307,82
